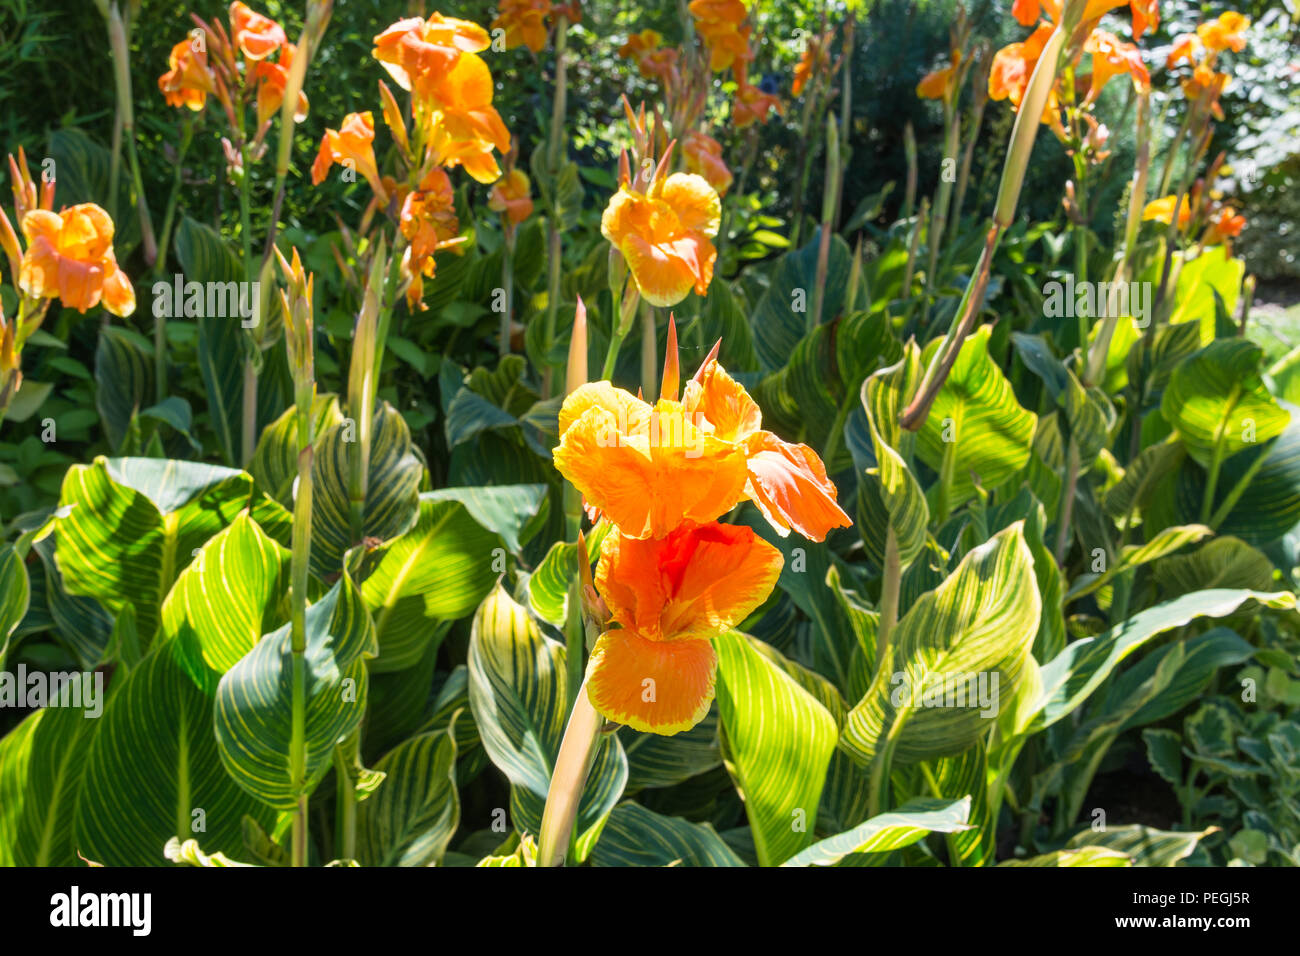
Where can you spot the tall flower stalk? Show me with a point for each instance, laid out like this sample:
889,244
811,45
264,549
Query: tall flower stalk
296,305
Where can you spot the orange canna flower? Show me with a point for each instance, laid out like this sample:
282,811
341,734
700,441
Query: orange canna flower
419,54
70,256
721,25
1162,210
1111,56
665,236
189,80
511,195
352,146
703,156
670,595
1146,16
940,84
647,468
752,105
651,60
787,482
1228,32
1206,82
257,36
1028,12
815,57
524,22
1014,64
1223,227
272,77
428,218
466,126
639,44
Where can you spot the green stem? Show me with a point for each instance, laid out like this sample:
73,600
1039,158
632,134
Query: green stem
553,152
508,288
649,354
164,241
345,836
611,356
1067,501
889,591
300,558
249,430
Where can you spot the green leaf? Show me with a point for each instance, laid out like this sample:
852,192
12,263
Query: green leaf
1215,270
440,570
228,597
654,760
780,319
635,836
153,773
1076,672
123,379
41,763
975,426
978,625
777,745
205,257
1145,846
135,524
889,831
884,395
275,461
1217,401
1225,562
1164,543
518,692
1165,754
15,594
1083,856
392,499
515,512
253,708
410,819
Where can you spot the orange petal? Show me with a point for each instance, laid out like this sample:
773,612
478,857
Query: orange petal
119,295
661,276
726,405
696,202
660,687
695,582
788,483
649,480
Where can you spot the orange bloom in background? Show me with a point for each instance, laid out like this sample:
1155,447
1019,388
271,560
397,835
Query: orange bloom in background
942,83
524,22
189,79
815,56
752,105
1162,210
1146,16
653,61
511,195
419,54
665,236
257,36
1206,82
70,256
703,156
647,468
271,80
1028,12
1228,32
670,595
1111,56
787,482
1223,227
721,25
351,146
1013,65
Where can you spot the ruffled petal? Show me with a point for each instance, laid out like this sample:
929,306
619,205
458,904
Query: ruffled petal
660,687
789,485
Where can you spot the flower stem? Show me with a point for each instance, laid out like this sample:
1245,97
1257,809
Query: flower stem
577,753
649,353
508,287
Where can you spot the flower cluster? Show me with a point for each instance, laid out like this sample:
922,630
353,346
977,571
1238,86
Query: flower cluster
653,60
251,61
724,29
69,256
1201,51
1014,64
528,22
669,573
1202,206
